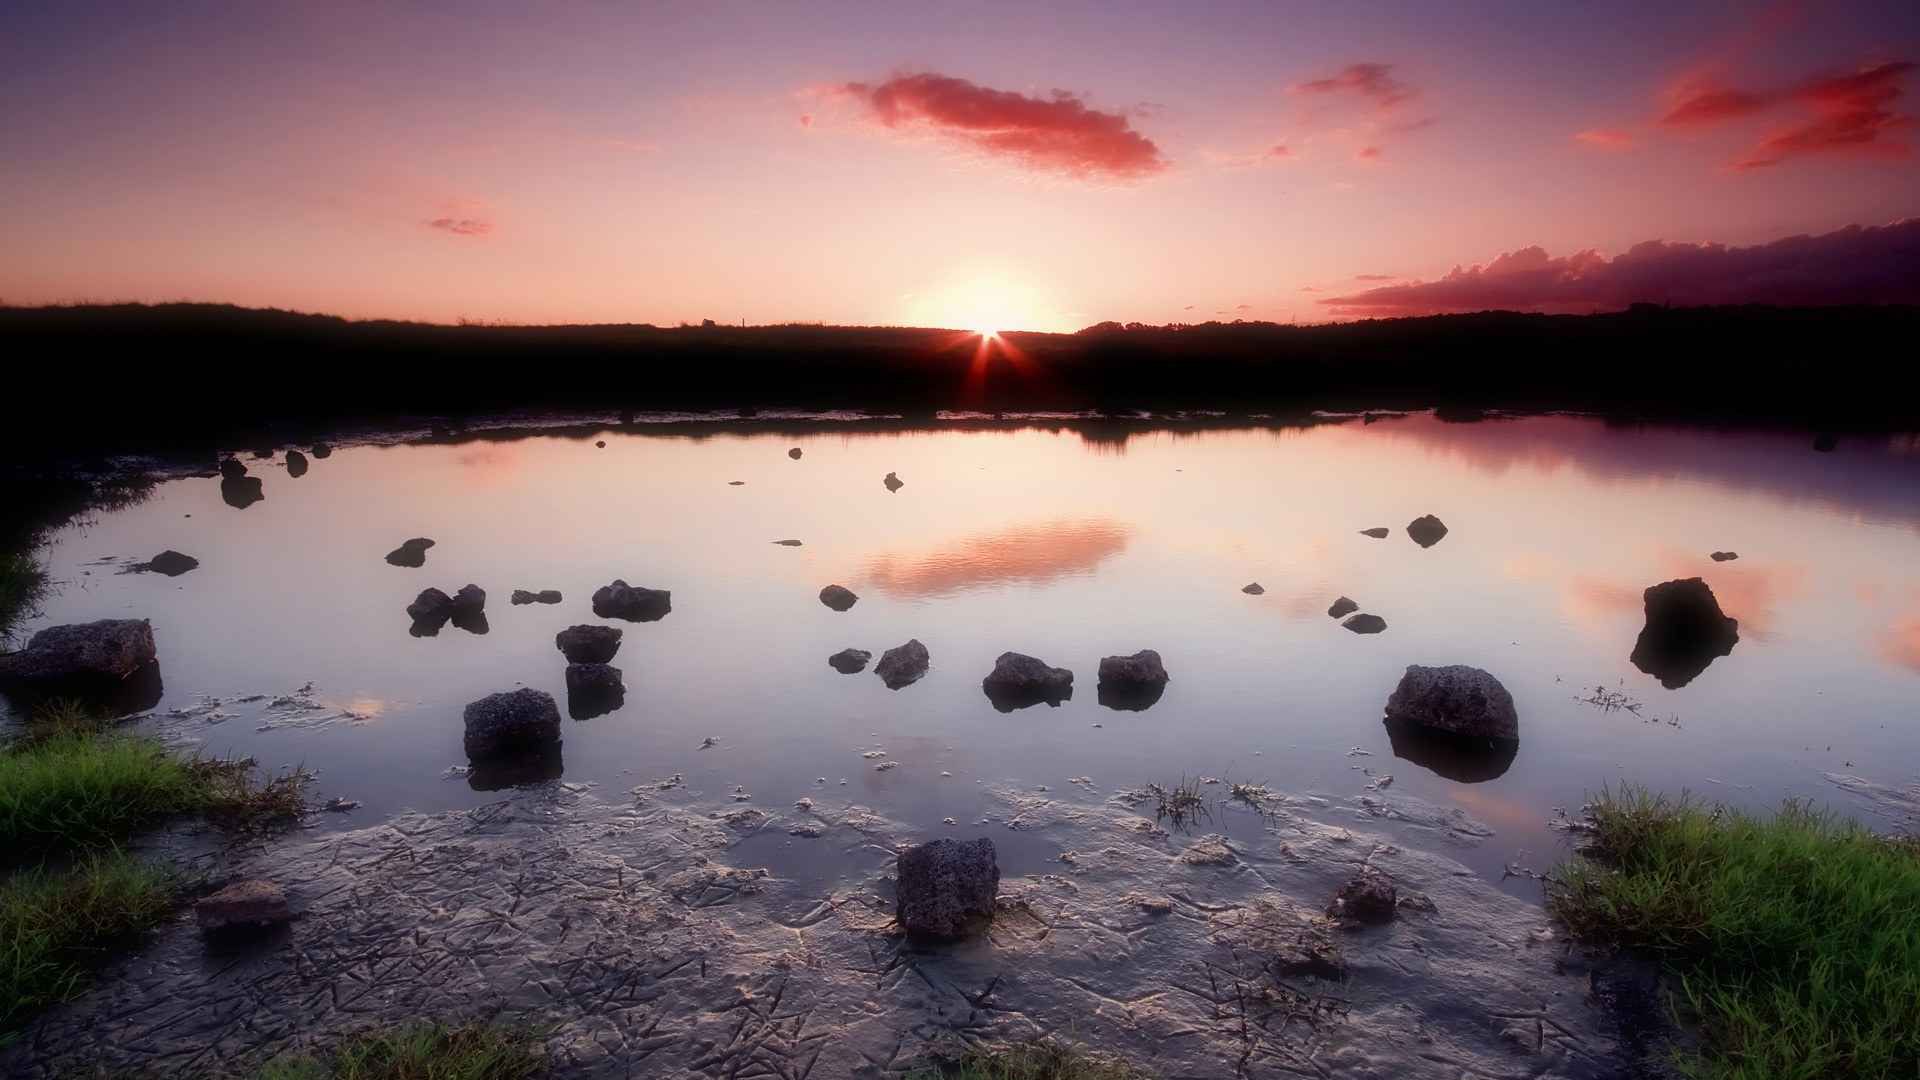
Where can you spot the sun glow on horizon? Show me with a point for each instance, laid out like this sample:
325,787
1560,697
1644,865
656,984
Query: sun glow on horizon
984,302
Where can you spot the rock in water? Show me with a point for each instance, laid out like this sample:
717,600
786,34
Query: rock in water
232,468
594,690
512,722
894,483
632,603
411,553
296,464
584,644
1342,607
838,597
1724,556
170,563
1132,683
1253,589
1018,680
902,665
1368,897
322,450
946,889
241,492
1685,631
1458,700
431,608
794,453
1378,532
83,656
849,661
243,904
469,598
1426,530
544,596
787,543
1365,624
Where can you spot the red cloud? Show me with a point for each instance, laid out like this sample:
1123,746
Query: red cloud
1058,134
1367,80
1605,138
1874,264
1850,113
462,226
1368,153
806,120
1374,277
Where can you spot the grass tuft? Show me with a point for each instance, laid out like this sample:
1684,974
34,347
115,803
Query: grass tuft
72,790
1795,937
1180,803
55,927
1040,1060
23,583
420,1052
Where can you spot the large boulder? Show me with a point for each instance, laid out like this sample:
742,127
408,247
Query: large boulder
515,722
242,905
410,553
632,603
849,661
1457,699
838,597
584,644
1018,680
902,665
946,889
80,655
594,690
1685,631
1426,530
1132,683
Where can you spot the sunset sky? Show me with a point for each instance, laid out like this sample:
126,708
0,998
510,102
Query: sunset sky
1008,165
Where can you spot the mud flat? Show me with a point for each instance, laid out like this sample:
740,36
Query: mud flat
626,923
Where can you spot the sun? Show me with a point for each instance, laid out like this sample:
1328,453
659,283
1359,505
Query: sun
985,302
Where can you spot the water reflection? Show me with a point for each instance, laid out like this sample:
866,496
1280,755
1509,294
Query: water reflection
531,766
1025,554
1456,757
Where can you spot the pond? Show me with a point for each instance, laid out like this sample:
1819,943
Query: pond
291,642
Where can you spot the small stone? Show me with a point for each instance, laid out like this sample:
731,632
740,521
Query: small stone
620,600
794,453
894,483
1365,624
902,665
1342,608
411,553
1426,530
849,661
243,904
1378,532
1253,589
946,888
544,596
788,543
1724,556
1367,898
296,464
170,563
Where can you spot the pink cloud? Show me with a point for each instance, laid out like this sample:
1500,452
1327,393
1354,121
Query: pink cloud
1369,153
1374,277
1279,150
1851,113
1872,264
1605,139
462,226
1369,80
1055,134
806,120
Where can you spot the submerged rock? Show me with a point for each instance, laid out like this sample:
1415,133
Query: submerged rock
168,562
1456,699
849,661
507,723
946,889
838,597
411,553
1685,631
243,905
1253,589
1018,680
1342,607
1378,532
1365,624
585,644
296,464
87,658
544,596
902,665
1426,530
1368,897
1724,556
594,690
894,483
632,603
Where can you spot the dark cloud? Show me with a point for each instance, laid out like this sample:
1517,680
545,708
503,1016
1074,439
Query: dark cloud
1056,134
1872,264
462,226
1851,113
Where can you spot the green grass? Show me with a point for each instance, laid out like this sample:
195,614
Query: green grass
1042,1060
56,926
420,1052
1795,938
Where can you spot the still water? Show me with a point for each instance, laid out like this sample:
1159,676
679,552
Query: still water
1067,547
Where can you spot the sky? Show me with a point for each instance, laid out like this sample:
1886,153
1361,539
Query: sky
981,165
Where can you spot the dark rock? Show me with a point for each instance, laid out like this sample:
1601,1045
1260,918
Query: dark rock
632,603
431,604
600,444
469,598
838,597
296,464
1018,680
1463,759
894,483
243,905
232,468
241,492
322,450
1253,590
1342,607
794,453
902,665
544,596
1426,530
585,644
946,889
411,553
170,563
849,661
736,483
1366,898
788,543
1685,631
1378,532
503,724
1365,624
534,765
102,653
472,620
1724,556
1458,699
1132,683
594,690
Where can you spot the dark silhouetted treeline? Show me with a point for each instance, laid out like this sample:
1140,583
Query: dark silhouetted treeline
135,376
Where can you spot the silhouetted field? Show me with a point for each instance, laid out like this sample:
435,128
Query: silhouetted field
185,374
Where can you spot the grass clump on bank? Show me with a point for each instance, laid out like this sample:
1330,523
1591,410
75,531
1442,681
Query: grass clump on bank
23,582
1039,1060
55,927
1795,938
421,1052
